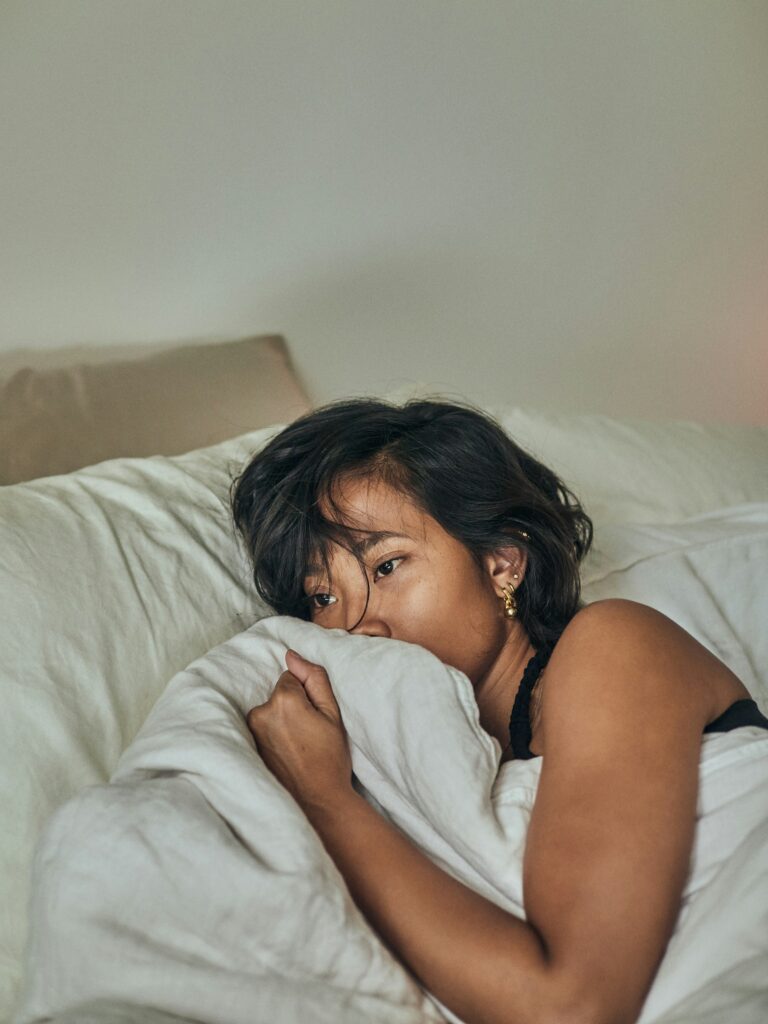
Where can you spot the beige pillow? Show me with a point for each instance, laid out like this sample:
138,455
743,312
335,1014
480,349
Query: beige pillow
176,400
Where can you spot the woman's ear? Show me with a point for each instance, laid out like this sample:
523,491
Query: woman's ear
506,566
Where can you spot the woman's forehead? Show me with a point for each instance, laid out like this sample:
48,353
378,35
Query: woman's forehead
371,505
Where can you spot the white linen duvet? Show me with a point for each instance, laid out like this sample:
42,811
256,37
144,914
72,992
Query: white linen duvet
192,887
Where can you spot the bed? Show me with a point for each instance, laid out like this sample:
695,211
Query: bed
132,642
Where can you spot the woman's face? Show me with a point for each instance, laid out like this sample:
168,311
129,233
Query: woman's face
425,587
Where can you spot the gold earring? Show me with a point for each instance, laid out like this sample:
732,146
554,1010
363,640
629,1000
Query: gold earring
510,605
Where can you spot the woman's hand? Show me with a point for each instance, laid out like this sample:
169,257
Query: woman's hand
301,737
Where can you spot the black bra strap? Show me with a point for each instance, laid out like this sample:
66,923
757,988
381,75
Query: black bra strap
520,721
741,712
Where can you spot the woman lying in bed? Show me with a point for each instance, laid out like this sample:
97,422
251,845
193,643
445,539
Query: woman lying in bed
427,523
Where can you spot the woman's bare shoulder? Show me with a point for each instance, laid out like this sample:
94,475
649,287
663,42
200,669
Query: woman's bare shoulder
623,635
618,626
620,611
620,629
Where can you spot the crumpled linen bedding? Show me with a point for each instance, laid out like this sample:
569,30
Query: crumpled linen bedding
192,888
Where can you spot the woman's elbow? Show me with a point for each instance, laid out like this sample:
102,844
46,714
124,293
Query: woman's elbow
590,1006
589,1014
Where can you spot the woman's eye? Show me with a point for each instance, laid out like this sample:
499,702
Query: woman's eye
389,561
322,600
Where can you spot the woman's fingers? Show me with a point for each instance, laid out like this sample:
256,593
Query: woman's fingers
315,680
305,680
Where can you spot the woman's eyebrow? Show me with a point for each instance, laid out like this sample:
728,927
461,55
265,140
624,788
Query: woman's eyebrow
362,547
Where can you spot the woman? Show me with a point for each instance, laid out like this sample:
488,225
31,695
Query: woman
427,523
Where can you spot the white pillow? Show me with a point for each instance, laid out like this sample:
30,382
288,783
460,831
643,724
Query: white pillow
704,574
112,579
631,470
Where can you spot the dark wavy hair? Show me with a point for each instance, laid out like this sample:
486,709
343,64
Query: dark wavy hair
452,460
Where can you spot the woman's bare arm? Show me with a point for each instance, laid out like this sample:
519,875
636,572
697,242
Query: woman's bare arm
607,852
484,964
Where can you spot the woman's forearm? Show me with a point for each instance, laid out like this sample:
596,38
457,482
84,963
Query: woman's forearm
486,965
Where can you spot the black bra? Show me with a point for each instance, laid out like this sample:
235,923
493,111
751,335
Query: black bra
741,712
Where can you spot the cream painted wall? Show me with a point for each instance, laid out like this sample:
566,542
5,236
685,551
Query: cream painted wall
548,203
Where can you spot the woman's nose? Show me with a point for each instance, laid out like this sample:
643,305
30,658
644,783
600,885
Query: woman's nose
371,624
370,629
